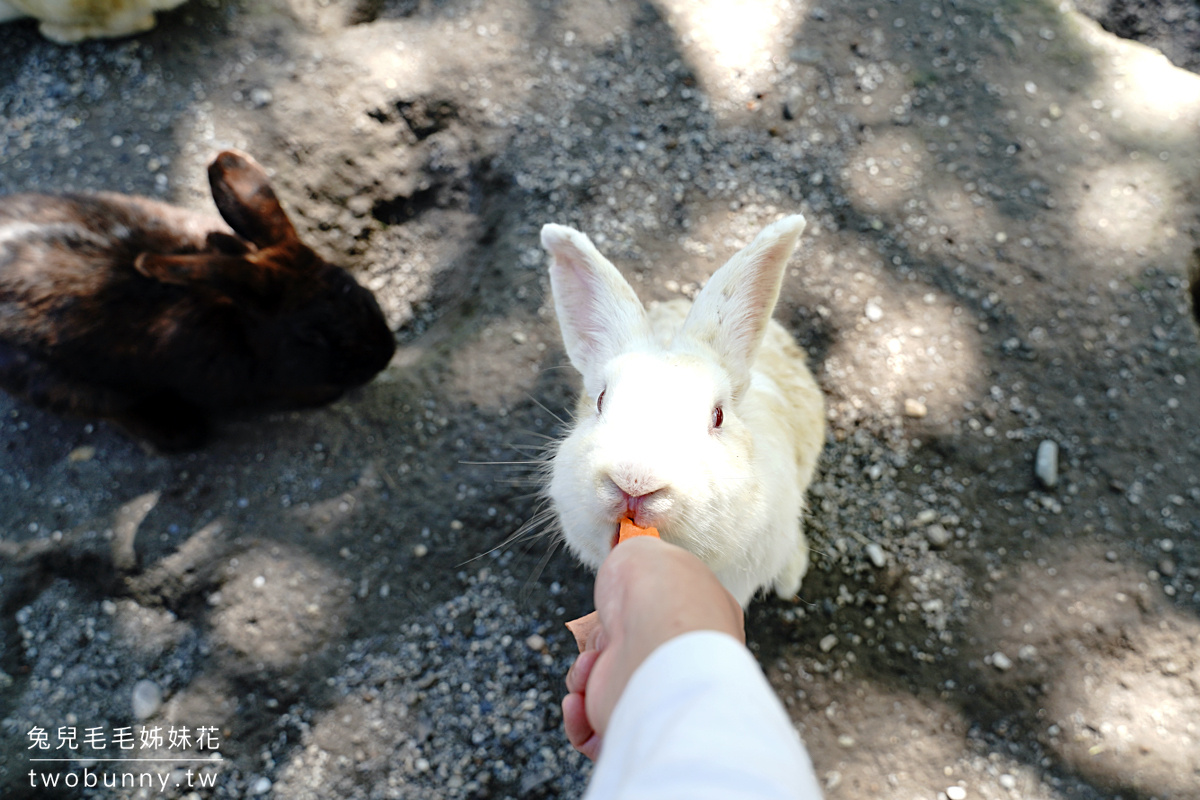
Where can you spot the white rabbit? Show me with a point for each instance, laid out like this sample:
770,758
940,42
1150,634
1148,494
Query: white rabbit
704,423
68,21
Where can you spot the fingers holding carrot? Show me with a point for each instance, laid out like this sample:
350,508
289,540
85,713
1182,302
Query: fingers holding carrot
647,592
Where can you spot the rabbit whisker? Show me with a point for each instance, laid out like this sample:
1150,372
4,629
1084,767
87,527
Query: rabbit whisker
546,408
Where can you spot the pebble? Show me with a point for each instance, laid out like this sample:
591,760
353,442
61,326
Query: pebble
873,312
924,518
536,643
956,793
938,536
876,554
1008,781
260,786
1046,463
420,550
147,699
81,454
915,408
1001,661
827,643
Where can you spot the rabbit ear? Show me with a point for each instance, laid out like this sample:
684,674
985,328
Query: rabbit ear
184,270
246,200
224,274
228,244
730,314
598,311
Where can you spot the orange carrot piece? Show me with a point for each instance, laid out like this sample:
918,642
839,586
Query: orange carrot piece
582,628
628,530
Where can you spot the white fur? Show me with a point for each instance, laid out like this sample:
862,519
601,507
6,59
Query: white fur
68,21
732,495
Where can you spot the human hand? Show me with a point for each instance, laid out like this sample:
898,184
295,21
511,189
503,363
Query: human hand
647,593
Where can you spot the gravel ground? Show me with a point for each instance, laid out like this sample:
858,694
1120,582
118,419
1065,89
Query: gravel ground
363,602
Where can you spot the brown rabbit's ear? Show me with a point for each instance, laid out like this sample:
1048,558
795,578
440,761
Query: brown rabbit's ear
226,243
246,200
185,270
229,275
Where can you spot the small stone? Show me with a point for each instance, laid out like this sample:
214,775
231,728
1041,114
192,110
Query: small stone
828,643
1046,464
1166,568
956,793
519,337
1001,661
873,312
147,699
924,518
260,786
876,554
845,740
915,408
1027,652
536,643
260,97
420,551
1008,781
938,536
81,454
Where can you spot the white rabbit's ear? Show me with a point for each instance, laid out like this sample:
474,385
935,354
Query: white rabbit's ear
730,314
598,311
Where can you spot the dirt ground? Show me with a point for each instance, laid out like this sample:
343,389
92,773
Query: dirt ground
1004,224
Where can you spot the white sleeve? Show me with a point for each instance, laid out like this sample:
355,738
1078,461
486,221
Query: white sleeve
698,721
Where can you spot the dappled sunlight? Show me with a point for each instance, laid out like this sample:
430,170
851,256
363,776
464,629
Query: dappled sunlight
1144,94
483,369
856,759
1129,715
886,171
281,606
476,51
899,350
357,732
126,522
149,631
1126,211
1116,666
325,518
731,44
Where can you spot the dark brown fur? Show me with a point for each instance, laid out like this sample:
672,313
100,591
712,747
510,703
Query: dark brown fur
159,318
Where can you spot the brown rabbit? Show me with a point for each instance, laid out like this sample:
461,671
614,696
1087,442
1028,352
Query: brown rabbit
159,318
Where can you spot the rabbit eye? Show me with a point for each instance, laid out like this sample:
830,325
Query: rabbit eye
600,401
718,416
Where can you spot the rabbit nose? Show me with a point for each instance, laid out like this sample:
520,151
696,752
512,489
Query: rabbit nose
633,502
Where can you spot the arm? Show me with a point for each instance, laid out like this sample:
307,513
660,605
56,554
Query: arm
667,696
